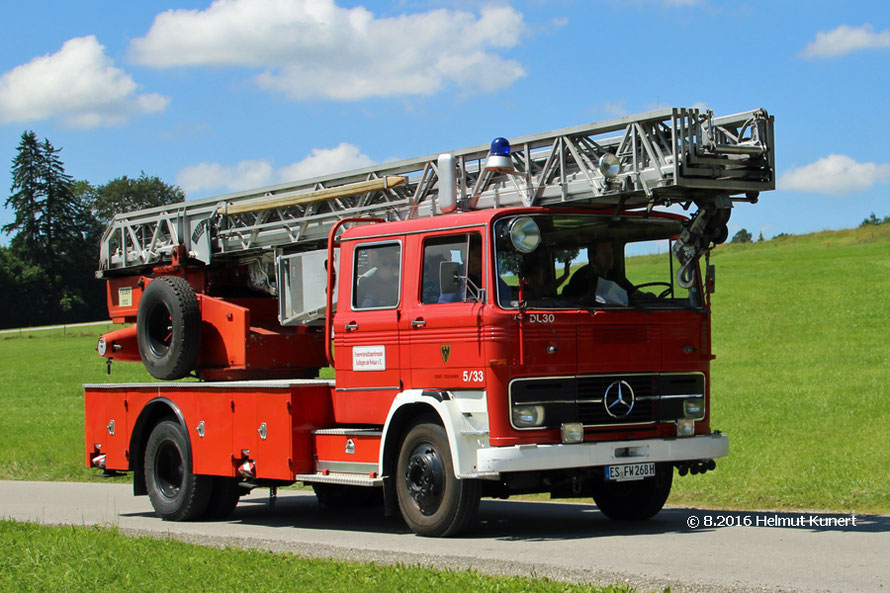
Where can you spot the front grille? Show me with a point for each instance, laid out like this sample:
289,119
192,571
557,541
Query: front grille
656,397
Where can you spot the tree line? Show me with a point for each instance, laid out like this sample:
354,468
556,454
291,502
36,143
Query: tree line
47,271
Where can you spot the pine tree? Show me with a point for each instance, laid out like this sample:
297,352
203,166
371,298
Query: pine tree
26,197
61,212
54,238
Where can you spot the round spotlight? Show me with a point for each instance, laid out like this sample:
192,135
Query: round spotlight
609,165
525,234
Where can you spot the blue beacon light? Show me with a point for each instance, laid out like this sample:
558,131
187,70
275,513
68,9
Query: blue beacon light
499,160
500,147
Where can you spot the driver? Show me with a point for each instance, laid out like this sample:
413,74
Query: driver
598,281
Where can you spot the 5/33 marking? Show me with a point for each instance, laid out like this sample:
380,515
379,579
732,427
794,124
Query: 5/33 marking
473,376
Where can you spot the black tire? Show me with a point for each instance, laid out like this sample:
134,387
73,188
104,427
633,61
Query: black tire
337,496
635,500
432,500
224,498
168,328
175,492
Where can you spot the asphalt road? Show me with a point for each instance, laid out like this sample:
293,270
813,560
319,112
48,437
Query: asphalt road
685,549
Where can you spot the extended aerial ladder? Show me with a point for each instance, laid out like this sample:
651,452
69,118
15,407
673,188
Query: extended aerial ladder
670,156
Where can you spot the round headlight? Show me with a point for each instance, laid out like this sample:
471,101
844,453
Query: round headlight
528,416
101,347
525,235
694,408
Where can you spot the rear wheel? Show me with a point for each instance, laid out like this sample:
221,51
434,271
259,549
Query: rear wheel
168,328
175,492
432,500
635,500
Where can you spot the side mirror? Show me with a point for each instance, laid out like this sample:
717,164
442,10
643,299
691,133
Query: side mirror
449,277
710,278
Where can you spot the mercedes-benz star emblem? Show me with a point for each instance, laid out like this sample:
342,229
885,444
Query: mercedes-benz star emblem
619,399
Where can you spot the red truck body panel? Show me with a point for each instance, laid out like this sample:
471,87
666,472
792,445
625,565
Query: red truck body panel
272,421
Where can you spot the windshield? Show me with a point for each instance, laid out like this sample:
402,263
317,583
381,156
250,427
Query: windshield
592,261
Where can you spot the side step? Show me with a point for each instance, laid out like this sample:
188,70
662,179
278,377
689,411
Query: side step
343,479
348,456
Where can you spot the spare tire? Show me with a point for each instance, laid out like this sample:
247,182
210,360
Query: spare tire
168,328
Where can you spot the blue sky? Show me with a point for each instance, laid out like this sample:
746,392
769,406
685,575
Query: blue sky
237,94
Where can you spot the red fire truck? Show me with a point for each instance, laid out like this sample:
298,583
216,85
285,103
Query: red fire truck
509,319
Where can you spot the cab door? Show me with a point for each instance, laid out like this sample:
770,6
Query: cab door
441,335
366,330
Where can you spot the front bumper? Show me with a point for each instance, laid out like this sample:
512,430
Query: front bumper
547,457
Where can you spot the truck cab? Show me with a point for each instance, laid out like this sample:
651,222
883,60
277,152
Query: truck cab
561,341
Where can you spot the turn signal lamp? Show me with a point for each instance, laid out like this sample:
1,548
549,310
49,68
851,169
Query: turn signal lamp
499,160
572,432
685,427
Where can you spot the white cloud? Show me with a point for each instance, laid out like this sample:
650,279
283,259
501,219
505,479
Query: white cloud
245,175
844,40
79,84
835,175
213,176
324,161
314,48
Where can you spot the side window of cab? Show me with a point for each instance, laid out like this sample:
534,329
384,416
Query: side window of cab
452,269
377,272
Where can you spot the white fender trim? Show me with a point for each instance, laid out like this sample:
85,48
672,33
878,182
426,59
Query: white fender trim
465,417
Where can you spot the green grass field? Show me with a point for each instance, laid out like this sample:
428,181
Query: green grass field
800,330
800,382
92,559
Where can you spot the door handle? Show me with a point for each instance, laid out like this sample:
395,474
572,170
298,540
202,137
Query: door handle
351,326
418,323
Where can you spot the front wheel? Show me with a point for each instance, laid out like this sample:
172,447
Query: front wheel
635,500
175,492
432,500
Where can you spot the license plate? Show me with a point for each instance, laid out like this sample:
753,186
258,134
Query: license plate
630,471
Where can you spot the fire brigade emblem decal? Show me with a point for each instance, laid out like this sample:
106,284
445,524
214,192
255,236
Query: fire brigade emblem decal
445,349
619,399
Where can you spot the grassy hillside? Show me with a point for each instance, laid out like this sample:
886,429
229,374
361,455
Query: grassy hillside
800,331
41,400
800,382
